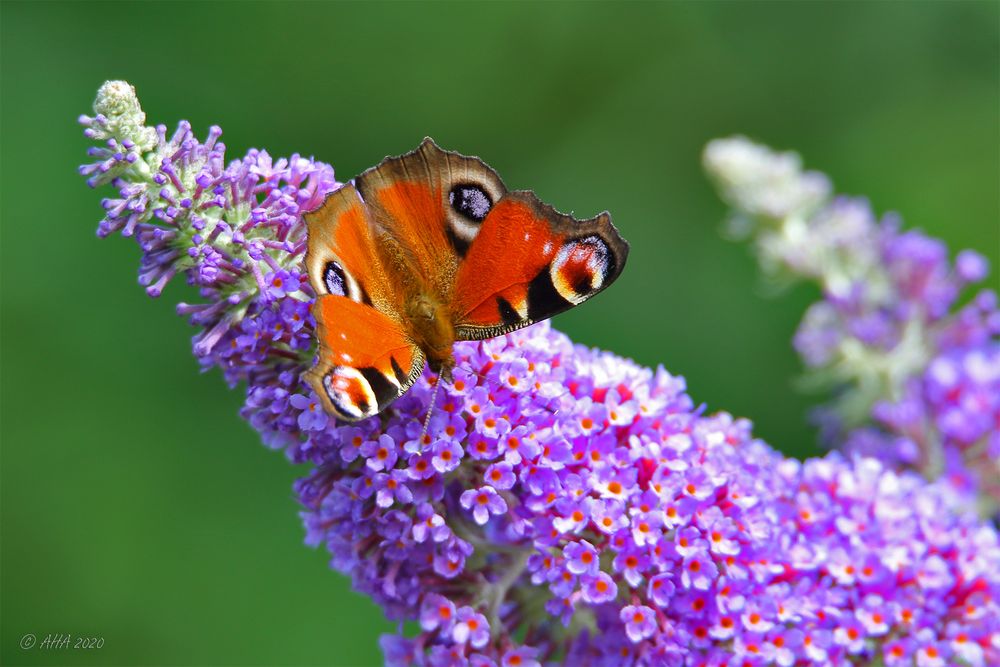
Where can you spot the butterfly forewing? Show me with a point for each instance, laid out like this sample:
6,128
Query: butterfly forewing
427,207
530,262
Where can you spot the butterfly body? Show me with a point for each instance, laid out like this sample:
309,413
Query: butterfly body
432,330
429,248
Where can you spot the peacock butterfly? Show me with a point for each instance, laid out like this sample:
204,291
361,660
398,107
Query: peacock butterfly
428,248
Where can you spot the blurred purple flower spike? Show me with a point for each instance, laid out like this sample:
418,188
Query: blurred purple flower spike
916,377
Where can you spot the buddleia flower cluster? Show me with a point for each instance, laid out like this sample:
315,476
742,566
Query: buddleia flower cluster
915,370
564,505
234,231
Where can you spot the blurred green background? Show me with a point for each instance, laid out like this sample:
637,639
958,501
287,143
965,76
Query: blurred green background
138,507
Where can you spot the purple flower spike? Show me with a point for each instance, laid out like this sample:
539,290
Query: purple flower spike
888,331
569,506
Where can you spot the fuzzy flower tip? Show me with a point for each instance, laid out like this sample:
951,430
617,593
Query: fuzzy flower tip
565,506
234,231
916,374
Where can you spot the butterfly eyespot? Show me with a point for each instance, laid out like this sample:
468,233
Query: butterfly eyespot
470,201
335,279
580,267
339,282
350,393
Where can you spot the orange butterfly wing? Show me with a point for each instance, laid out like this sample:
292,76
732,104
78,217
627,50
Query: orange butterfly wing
530,262
366,360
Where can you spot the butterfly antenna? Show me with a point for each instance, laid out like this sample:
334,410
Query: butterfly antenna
430,409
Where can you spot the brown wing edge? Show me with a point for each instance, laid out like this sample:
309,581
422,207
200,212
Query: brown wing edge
431,153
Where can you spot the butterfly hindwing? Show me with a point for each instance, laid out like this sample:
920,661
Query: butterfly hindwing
530,262
365,358
365,361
